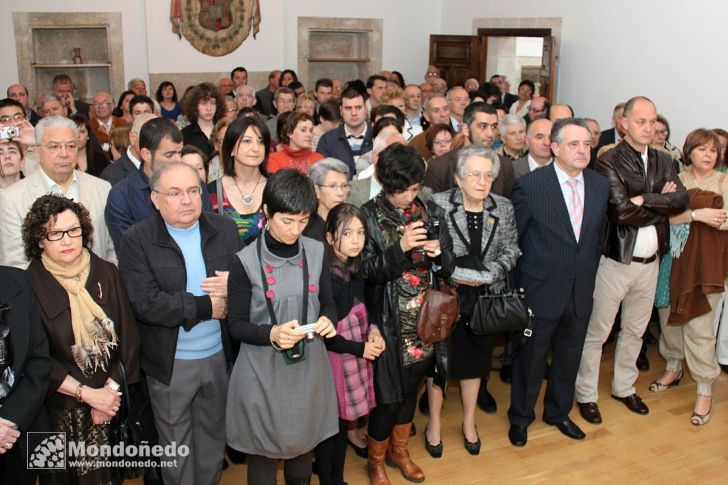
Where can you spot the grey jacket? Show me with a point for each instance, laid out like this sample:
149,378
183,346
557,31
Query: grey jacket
499,244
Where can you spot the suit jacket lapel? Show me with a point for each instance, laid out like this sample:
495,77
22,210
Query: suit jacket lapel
490,223
553,189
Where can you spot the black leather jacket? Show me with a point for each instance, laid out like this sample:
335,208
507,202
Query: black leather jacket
382,265
624,167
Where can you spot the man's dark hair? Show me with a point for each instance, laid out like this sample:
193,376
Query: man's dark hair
559,125
494,76
382,123
529,83
359,86
238,69
490,90
4,103
398,167
234,133
375,77
324,82
140,99
290,192
156,130
329,111
352,93
61,79
479,107
295,85
387,109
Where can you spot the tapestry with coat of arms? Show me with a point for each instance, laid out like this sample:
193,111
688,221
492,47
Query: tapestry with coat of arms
215,27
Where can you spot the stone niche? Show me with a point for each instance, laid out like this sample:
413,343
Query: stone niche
85,46
338,48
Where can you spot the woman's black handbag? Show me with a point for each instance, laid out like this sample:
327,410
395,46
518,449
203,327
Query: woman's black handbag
501,311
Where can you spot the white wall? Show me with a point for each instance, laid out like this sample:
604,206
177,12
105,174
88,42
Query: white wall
671,51
407,27
133,27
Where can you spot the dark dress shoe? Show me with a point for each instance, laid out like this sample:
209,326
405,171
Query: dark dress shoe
724,367
435,451
518,435
590,412
634,403
570,429
486,402
360,451
506,374
642,363
472,447
424,404
649,338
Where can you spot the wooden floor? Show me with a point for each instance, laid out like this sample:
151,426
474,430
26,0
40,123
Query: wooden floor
662,447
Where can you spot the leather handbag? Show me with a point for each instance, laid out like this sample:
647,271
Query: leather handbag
501,311
439,312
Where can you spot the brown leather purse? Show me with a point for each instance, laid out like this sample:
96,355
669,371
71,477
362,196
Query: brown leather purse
439,312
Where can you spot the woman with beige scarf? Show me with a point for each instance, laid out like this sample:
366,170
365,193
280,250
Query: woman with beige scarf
90,325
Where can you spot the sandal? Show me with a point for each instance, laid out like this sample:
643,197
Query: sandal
701,419
658,386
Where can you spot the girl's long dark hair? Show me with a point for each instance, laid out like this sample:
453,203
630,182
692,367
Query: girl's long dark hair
336,222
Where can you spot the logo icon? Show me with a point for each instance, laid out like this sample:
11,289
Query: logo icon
46,451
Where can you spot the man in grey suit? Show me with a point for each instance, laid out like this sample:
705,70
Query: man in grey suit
538,139
57,139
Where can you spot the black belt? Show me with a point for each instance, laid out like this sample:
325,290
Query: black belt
635,259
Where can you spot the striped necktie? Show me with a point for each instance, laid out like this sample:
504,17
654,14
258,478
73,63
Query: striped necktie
576,207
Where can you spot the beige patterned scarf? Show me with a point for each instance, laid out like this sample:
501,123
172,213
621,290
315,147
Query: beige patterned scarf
93,331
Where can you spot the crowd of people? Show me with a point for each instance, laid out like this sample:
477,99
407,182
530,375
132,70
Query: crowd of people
257,264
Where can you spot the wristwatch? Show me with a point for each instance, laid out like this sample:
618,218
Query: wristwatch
692,215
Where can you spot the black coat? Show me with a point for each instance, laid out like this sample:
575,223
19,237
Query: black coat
382,266
153,268
31,360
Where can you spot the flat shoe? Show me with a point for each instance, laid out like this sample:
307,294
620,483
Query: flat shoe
658,386
435,451
472,447
360,451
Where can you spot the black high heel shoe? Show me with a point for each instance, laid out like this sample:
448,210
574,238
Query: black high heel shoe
435,451
472,447
360,451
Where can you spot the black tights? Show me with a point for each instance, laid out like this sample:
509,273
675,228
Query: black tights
262,470
330,456
384,417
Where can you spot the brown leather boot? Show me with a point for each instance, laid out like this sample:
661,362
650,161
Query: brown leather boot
375,462
398,454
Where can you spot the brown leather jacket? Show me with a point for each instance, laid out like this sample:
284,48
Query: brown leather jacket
625,170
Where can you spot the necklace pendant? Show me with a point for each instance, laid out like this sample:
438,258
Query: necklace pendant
247,199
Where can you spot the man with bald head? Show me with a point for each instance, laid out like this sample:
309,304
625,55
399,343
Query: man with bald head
559,112
538,109
19,93
458,100
102,121
538,139
225,86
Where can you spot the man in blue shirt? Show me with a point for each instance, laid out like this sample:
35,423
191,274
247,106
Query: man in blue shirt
175,268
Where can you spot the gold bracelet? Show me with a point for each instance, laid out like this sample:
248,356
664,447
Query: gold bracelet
78,393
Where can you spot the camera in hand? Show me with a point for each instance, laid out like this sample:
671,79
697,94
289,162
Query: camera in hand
8,132
309,330
433,229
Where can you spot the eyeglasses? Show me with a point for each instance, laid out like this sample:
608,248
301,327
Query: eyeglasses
487,176
345,187
58,235
100,103
661,132
444,141
231,110
54,147
178,194
433,74
15,117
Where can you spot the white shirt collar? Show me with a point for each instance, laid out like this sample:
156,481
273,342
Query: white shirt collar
563,176
137,163
54,188
533,164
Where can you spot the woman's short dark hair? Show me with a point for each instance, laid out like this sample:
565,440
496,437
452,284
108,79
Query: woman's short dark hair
289,191
45,210
193,150
399,166
434,131
384,110
281,134
292,121
699,137
382,123
118,111
400,78
202,92
283,73
337,221
163,85
234,133
529,83
330,111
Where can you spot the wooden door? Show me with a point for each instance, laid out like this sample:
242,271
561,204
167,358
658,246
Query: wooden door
548,68
457,57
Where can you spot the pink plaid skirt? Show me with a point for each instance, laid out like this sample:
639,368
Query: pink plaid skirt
353,376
